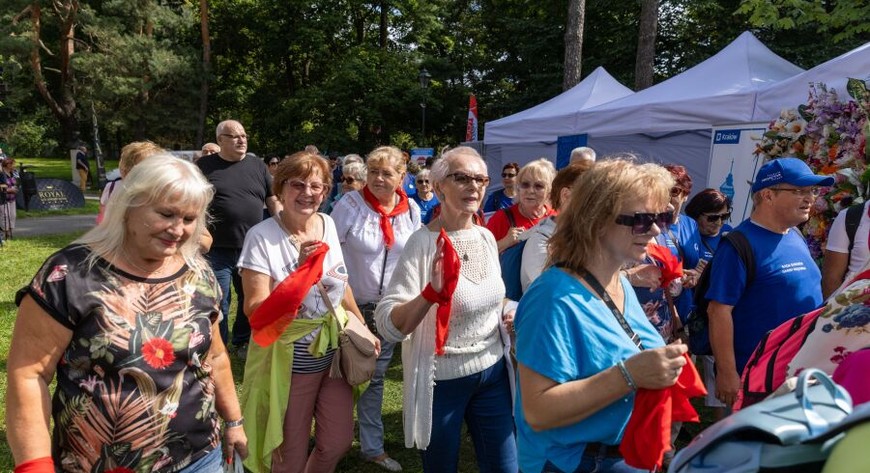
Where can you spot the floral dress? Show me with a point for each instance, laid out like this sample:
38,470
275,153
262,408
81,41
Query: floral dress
134,389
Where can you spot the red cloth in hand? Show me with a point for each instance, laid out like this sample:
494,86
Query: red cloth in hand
648,434
276,313
386,225
450,278
37,465
670,265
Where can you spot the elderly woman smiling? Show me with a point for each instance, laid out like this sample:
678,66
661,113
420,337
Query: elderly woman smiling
126,317
447,296
533,198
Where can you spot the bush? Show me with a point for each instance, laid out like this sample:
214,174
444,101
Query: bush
28,137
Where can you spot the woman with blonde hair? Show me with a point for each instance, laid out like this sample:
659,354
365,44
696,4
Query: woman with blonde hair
533,198
126,318
583,343
445,300
131,155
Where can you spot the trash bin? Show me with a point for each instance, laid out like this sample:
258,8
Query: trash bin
28,185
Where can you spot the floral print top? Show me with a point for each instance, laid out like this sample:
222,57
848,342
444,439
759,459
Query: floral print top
134,390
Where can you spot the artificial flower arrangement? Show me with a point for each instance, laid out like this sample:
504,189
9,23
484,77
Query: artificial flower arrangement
831,136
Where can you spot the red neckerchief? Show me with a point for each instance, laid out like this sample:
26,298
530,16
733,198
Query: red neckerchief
648,434
276,313
450,278
669,264
386,226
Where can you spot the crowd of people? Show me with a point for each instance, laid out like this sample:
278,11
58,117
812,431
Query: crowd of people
132,319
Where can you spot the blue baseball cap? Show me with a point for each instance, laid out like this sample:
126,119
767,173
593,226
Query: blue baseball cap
788,171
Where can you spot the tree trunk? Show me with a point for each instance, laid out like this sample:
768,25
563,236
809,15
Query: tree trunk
646,44
206,71
383,25
574,43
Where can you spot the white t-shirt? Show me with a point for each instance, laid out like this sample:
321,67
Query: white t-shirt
362,242
536,250
267,250
838,240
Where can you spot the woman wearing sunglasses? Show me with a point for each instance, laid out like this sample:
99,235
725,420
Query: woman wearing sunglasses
533,193
504,197
373,226
425,196
584,344
446,301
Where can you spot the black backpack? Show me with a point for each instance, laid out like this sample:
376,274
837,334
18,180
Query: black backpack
853,220
511,261
698,323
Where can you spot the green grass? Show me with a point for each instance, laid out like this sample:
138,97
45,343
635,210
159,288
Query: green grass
53,168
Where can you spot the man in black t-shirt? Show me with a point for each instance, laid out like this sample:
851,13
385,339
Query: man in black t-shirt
241,187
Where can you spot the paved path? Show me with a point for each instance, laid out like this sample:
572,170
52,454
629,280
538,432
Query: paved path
37,226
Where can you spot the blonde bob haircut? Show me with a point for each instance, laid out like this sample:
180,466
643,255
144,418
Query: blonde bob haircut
387,157
133,153
160,179
541,169
598,196
302,165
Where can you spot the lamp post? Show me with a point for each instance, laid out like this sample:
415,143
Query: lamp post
424,84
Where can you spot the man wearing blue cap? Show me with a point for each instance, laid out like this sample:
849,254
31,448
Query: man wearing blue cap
787,281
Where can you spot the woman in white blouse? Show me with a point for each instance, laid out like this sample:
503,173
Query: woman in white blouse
373,225
446,300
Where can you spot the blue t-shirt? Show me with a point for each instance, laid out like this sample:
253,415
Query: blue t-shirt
787,283
566,333
689,241
410,184
497,201
710,243
654,303
426,207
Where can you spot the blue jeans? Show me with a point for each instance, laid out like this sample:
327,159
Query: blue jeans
483,401
211,463
223,262
370,405
594,463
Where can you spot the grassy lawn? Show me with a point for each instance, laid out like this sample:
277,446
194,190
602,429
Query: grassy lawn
54,168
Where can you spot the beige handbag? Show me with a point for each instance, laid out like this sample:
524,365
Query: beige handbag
356,358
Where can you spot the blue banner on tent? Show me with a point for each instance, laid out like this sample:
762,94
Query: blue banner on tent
565,145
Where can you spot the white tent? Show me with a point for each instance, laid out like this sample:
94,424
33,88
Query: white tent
792,92
556,117
717,91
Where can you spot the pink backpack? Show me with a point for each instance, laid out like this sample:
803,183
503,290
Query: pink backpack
767,368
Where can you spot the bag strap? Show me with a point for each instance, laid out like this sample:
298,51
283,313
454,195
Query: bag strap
677,244
853,221
602,293
744,250
510,216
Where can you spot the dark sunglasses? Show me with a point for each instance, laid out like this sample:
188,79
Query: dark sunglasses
713,218
422,181
508,175
273,163
348,180
465,179
641,223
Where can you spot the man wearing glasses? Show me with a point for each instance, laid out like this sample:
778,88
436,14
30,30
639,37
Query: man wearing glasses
242,185
787,281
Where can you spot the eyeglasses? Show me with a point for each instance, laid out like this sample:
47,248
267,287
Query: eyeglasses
538,186
423,181
465,179
641,223
713,218
273,163
678,191
299,186
802,192
241,137
508,175
348,179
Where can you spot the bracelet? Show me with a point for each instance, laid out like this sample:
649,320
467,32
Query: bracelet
234,423
625,374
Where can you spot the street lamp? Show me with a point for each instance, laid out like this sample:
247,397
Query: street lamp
424,84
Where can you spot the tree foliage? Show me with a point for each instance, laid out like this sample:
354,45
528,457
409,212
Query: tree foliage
843,20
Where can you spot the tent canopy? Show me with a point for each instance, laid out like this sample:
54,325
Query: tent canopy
720,90
553,118
792,92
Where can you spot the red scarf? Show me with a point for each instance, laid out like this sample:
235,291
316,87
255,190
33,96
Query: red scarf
450,278
386,226
276,313
648,434
669,264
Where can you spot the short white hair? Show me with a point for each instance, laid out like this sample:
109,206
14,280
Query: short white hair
584,153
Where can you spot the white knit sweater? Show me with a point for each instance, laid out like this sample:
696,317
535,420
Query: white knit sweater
475,338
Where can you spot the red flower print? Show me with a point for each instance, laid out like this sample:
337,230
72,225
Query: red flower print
158,353
121,469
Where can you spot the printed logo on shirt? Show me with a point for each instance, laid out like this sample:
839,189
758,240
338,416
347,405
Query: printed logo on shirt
792,267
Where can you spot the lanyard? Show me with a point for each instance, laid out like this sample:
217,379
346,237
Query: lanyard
597,287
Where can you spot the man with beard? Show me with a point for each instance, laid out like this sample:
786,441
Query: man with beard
241,186
787,281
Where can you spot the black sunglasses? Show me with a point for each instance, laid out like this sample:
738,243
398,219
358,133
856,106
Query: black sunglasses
465,179
641,223
716,217
508,175
348,180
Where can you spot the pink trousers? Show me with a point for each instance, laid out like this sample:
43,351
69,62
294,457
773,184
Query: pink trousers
329,403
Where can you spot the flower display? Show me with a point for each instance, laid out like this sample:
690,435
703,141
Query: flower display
830,134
